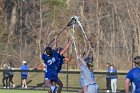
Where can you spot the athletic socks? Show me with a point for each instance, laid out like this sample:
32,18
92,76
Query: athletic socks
53,88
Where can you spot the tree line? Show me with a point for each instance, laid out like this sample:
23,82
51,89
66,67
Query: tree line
112,26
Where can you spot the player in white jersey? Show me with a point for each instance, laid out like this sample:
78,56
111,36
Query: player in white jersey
87,79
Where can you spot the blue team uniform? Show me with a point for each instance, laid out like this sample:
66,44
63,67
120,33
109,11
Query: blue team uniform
113,73
24,74
60,62
51,62
134,76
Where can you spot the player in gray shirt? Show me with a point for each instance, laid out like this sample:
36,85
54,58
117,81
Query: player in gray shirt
87,79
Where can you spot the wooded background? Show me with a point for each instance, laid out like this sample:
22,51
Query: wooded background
112,26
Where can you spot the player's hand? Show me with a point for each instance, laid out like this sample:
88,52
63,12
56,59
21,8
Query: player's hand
55,37
90,48
28,74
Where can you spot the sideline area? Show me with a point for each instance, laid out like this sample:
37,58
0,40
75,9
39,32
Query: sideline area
25,91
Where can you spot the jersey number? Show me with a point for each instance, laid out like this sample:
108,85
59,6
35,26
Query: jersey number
51,61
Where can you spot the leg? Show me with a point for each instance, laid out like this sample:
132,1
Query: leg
109,83
49,84
25,83
8,79
11,79
85,89
3,81
6,82
50,80
133,87
22,83
115,85
60,85
112,85
24,78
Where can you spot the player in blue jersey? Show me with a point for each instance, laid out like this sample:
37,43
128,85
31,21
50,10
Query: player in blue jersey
24,75
133,76
52,60
63,58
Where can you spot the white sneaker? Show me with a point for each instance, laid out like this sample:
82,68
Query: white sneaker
113,91
107,91
25,86
14,85
4,87
54,89
22,87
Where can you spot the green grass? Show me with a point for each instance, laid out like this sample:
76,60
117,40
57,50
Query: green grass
73,81
24,91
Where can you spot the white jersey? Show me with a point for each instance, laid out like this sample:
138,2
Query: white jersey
81,79
86,76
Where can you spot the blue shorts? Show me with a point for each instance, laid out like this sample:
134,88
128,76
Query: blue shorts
24,76
51,75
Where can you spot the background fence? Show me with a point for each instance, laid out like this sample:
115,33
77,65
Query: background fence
70,80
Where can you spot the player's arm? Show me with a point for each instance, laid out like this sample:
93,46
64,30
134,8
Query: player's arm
55,44
81,60
41,66
66,48
78,64
28,74
85,88
127,82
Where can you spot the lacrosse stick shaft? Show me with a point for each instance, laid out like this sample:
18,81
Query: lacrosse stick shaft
57,35
73,39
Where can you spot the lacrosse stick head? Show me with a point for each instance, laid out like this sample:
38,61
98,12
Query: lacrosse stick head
73,20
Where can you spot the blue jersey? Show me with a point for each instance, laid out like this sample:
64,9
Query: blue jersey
24,67
113,73
51,62
134,76
60,62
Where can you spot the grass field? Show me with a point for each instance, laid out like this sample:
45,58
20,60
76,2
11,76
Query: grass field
25,91
73,81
